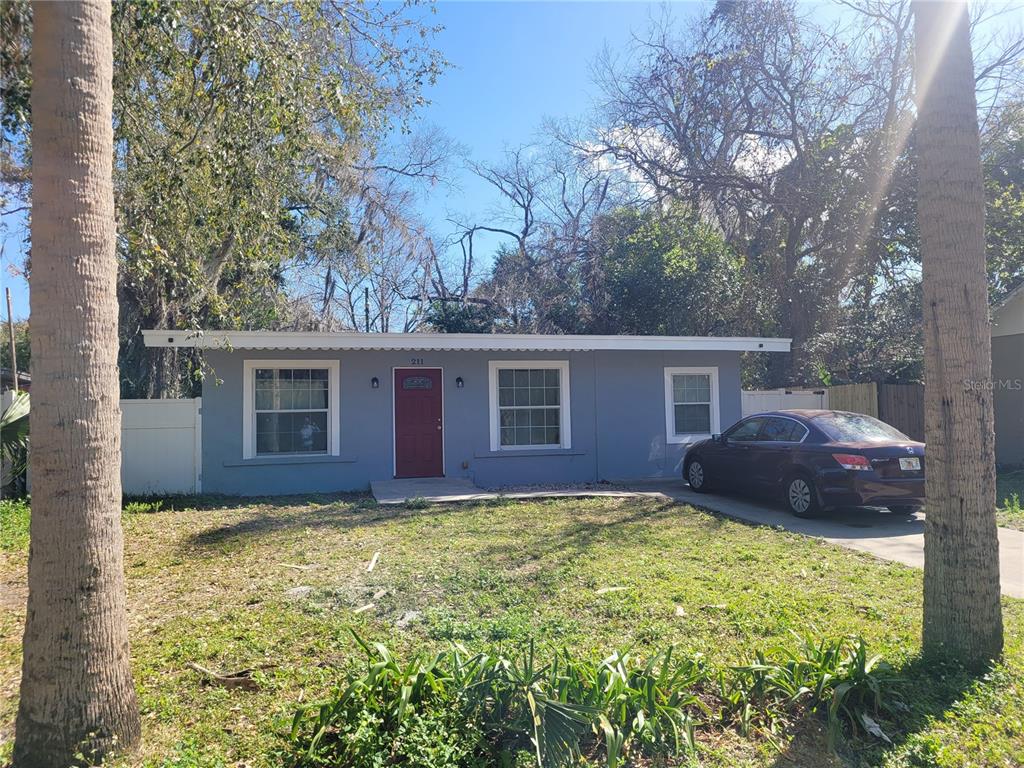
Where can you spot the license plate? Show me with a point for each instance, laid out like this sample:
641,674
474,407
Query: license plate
913,464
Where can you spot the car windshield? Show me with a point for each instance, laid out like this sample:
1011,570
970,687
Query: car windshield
857,428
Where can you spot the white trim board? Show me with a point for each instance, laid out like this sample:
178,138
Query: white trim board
670,417
249,412
510,342
494,412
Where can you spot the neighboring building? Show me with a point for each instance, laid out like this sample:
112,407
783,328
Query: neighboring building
305,412
1008,378
7,380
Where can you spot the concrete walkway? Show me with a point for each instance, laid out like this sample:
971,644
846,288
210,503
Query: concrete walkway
899,538
878,531
451,489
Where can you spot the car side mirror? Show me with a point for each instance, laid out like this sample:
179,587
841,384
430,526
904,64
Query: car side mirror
719,439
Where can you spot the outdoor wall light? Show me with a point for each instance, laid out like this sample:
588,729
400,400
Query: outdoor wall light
374,383
459,383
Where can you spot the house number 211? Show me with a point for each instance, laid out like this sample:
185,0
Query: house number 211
416,360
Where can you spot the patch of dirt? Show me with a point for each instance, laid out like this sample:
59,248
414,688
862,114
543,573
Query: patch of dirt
13,595
529,568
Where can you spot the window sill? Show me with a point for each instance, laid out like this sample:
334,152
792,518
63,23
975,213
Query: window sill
261,461
523,452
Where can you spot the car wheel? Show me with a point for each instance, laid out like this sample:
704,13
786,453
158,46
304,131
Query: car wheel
904,509
696,476
801,496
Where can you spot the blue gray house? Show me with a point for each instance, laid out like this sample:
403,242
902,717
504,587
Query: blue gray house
297,412
1008,378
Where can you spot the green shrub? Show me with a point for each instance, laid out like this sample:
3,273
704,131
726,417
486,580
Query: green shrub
14,522
143,506
459,710
1012,505
488,709
391,713
433,733
837,678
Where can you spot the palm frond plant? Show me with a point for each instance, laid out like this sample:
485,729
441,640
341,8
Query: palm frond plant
14,434
834,676
492,709
509,704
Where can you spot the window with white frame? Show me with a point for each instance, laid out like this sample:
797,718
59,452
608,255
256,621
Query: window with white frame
290,408
691,403
529,404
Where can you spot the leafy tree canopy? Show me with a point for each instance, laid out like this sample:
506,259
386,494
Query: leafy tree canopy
666,274
238,128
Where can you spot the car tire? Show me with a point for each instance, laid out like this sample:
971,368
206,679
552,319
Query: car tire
904,509
801,496
696,475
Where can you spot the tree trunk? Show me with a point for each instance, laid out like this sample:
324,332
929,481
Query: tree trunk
962,613
77,695
787,369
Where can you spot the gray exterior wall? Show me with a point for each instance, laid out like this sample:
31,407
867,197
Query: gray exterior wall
617,412
1008,398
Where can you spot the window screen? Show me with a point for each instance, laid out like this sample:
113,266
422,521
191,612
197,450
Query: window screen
529,406
691,403
291,410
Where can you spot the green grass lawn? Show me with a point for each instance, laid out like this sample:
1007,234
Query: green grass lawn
13,524
211,586
1010,499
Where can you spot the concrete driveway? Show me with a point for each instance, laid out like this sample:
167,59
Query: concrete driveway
878,531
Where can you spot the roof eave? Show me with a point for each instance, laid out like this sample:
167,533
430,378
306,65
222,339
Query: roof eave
231,340
1009,297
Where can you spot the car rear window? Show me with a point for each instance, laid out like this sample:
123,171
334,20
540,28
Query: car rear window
857,428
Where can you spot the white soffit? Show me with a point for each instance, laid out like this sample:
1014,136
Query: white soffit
496,342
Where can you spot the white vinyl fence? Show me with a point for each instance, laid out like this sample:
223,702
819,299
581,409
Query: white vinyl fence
758,401
160,446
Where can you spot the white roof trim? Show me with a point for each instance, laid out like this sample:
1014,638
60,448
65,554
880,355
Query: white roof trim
454,341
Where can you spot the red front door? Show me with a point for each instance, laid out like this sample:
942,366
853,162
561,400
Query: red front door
419,436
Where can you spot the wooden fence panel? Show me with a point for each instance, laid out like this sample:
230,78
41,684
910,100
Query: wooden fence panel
856,398
902,405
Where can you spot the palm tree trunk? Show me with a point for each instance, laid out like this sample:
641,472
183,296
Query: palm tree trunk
77,695
962,612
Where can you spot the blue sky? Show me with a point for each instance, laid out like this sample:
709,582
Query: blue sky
515,63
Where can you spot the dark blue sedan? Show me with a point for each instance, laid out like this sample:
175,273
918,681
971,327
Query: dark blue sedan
814,460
